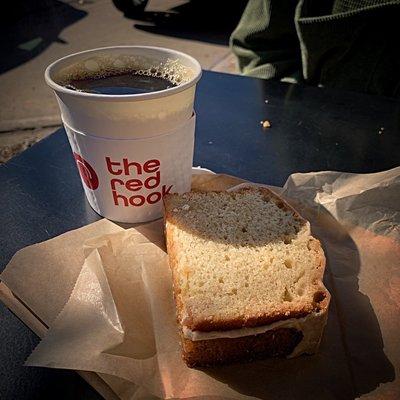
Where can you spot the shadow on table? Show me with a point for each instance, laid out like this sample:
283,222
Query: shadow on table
201,20
351,360
324,130
29,27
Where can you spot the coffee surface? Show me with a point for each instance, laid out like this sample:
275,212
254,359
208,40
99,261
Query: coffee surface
121,84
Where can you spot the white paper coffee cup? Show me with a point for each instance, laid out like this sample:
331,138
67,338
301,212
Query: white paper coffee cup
130,149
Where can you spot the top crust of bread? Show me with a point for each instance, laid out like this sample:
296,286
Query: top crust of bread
241,259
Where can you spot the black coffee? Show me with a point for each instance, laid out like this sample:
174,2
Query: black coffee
122,83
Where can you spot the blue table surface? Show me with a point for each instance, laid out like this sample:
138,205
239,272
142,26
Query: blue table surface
312,129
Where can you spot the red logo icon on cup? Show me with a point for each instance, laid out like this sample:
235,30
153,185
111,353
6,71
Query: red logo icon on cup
88,174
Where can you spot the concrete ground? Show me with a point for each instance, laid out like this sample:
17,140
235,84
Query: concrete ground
40,33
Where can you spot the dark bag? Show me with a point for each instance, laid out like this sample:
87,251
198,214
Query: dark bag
347,44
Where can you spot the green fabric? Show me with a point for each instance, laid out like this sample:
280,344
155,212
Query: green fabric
346,44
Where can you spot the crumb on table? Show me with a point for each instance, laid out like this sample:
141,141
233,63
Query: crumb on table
265,124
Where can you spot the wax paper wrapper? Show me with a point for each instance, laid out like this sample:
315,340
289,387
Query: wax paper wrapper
105,292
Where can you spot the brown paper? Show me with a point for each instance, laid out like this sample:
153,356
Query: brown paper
116,315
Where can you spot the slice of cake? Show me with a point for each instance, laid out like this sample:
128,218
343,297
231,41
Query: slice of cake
247,276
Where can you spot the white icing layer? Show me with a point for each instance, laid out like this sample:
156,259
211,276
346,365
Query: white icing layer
240,332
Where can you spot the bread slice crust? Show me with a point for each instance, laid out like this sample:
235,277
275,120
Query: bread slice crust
275,343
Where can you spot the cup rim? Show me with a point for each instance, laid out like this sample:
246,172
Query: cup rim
123,97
